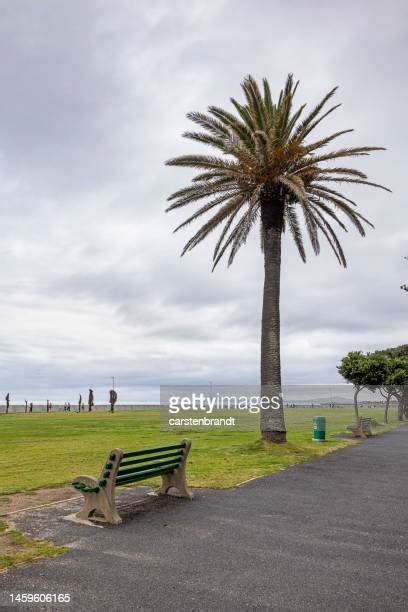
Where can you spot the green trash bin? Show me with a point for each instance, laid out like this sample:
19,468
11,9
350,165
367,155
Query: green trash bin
319,429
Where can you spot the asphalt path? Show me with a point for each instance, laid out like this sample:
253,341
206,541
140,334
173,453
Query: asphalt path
328,535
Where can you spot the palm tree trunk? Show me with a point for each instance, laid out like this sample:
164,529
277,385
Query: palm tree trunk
272,419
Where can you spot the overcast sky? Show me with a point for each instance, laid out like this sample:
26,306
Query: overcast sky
93,101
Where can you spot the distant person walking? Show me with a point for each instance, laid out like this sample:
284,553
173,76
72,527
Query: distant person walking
79,403
113,398
7,398
26,405
91,402
31,406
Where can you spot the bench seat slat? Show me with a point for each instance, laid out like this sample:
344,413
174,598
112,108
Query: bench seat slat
147,466
150,451
152,458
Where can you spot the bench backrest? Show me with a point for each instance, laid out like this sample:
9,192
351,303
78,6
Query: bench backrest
127,467
365,423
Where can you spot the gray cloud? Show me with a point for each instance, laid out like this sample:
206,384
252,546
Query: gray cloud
94,97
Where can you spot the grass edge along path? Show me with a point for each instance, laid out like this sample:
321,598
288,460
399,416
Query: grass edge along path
16,548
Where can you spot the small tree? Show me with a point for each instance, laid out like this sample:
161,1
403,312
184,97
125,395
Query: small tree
385,370
397,381
395,377
377,369
396,351
352,369
369,371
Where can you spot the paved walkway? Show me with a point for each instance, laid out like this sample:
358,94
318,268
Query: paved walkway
330,535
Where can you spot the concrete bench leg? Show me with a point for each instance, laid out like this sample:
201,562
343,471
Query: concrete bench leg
177,479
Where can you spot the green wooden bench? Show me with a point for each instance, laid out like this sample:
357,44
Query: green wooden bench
124,468
362,429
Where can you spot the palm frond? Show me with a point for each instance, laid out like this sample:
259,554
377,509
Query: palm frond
304,125
319,144
263,147
216,128
210,226
225,231
333,179
195,194
246,224
296,232
208,139
331,238
233,123
255,103
204,209
321,190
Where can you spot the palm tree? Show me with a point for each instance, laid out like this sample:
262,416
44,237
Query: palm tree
268,171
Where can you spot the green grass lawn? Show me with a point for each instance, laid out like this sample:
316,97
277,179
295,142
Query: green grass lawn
49,450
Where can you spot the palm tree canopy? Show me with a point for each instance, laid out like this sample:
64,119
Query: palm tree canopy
266,148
